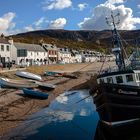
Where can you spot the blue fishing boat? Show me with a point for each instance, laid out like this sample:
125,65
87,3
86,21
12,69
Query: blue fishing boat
35,93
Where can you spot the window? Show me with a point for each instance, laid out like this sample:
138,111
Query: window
2,47
119,79
129,78
138,76
22,53
109,80
102,81
7,48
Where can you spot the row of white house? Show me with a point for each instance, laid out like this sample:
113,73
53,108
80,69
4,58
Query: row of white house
31,54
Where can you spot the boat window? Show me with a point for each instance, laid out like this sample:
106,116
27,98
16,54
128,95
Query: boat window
129,78
139,76
109,80
119,79
102,81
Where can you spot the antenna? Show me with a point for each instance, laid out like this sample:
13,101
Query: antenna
118,46
111,20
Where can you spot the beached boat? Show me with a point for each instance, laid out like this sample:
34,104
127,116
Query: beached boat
45,85
53,73
117,96
35,93
60,74
28,75
11,83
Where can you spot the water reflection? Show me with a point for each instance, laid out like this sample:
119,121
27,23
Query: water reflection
68,117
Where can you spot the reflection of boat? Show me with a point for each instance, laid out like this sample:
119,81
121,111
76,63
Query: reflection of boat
35,93
117,97
125,131
45,86
28,75
11,83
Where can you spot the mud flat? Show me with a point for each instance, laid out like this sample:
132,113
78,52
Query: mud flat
15,107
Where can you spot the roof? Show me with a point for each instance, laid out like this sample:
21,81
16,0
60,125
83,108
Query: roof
64,50
29,47
49,46
4,40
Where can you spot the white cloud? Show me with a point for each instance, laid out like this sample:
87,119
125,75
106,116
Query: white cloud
28,28
138,5
82,6
116,1
40,21
6,22
56,4
97,20
58,23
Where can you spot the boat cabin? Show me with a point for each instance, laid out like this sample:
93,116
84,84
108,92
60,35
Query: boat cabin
130,77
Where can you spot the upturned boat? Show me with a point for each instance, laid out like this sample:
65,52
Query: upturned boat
35,93
28,75
11,83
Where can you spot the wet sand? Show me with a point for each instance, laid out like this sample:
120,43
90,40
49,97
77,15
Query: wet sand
15,107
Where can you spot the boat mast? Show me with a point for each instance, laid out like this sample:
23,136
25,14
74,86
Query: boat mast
117,44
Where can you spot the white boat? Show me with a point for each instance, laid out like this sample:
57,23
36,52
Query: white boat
11,83
45,85
29,75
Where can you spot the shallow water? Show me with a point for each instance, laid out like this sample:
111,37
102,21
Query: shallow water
71,116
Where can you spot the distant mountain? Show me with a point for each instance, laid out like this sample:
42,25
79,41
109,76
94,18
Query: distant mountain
82,39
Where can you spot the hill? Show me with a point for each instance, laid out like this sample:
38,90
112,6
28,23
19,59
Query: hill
82,39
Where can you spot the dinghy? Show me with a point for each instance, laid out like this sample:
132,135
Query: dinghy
11,83
29,75
35,93
53,73
45,85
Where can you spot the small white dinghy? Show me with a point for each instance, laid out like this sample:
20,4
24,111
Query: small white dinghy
11,83
45,85
29,75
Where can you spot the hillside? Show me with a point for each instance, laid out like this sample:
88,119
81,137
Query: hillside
82,39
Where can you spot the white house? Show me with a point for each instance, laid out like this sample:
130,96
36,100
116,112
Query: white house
76,56
5,50
64,55
29,54
52,52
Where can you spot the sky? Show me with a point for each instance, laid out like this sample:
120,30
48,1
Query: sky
18,16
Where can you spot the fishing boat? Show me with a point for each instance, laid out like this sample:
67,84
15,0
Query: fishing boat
28,75
45,85
11,83
35,93
117,97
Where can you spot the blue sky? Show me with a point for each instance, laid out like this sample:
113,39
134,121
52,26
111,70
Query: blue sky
20,16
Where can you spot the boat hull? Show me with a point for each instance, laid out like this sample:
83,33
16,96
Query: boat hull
34,93
45,86
10,83
113,105
28,75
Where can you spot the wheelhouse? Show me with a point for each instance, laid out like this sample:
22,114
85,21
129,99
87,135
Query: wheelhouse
123,78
